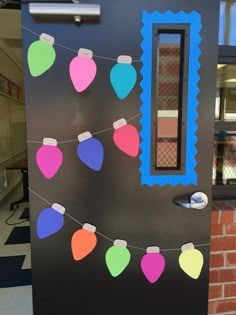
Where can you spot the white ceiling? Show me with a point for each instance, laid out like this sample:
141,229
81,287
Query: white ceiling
10,35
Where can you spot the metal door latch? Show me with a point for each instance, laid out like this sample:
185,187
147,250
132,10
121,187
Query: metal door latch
197,200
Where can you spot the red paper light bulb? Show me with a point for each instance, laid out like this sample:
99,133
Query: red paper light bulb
83,241
126,137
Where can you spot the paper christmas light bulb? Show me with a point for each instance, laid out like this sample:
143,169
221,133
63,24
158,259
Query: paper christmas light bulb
49,157
41,55
50,220
153,264
123,76
117,257
90,151
83,241
126,137
191,260
83,70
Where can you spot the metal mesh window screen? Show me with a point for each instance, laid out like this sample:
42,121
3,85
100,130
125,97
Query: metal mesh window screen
168,99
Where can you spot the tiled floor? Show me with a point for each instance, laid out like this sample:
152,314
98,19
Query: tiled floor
14,300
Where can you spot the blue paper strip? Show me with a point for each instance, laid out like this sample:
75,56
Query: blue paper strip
194,20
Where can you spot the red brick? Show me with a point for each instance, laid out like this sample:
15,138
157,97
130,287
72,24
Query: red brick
230,290
172,103
226,306
223,243
215,291
216,260
217,229
169,51
214,216
226,275
227,216
161,68
222,306
230,229
168,89
231,259
212,306
161,103
172,68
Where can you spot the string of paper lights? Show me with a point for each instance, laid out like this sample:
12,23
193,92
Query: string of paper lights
83,242
90,151
42,55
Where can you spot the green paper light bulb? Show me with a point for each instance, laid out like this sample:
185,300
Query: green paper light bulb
117,257
41,55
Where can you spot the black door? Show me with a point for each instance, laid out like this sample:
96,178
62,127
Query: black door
120,115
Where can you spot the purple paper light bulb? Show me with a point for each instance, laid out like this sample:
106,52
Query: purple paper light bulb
153,264
50,220
90,151
49,157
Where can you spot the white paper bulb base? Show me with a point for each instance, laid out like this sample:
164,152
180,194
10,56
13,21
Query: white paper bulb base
89,227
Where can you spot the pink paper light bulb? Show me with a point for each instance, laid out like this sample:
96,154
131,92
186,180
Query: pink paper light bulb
83,70
126,137
153,264
49,157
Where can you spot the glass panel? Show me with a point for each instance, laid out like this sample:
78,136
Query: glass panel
224,164
222,23
226,92
232,28
168,99
227,23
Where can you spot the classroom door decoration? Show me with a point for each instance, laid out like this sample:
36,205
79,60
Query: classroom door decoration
49,158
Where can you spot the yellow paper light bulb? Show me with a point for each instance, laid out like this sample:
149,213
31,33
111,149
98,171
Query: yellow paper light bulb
191,260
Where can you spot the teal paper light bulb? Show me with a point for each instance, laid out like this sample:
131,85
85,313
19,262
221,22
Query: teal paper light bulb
117,257
41,55
123,76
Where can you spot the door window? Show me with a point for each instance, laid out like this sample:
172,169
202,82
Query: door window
170,89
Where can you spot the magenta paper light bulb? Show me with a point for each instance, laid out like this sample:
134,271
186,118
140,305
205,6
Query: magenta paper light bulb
126,137
83,70
153,264
49,157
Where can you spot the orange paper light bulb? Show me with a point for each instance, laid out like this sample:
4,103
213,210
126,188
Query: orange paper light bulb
83,241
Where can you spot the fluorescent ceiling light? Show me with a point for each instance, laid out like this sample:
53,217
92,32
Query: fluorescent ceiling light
231,80
219,66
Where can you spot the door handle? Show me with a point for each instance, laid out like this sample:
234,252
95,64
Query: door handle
197,200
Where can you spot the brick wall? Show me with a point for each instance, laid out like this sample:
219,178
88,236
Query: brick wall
222,287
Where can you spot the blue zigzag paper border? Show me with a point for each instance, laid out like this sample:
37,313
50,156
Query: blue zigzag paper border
194,20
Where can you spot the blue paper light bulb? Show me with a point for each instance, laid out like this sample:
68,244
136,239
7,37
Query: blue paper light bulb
123,76
50,220
90,151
